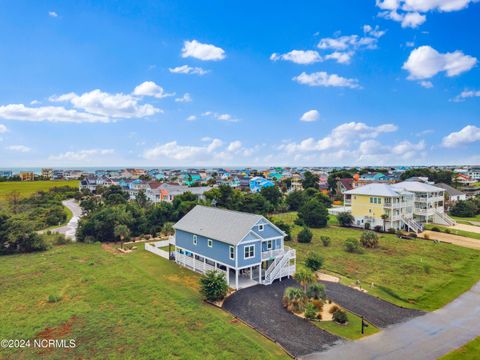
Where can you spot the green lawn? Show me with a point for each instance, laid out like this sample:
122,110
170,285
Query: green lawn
466,220
468,234
28,188
117,306
469,351
352,331
411,273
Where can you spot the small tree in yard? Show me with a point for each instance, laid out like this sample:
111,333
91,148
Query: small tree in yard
314,213
369,239
325,240
352,245
314,261
294,299
384,218
316,291
310,311
345,219
213,285
340,316
305,235
304,277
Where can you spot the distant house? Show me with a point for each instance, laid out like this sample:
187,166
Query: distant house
157,192
474,174
247,248
27,176
47,174
452,195
257,183
463,179
344,185
91,182
6,173
296,184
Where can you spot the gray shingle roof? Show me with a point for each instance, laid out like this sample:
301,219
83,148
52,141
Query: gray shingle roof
450,190
219,224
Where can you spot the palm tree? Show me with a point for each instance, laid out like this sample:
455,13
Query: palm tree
304,277
121,231
294,299
384,218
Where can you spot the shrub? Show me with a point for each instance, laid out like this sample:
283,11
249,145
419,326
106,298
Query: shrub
319,316
299,222
304,277
59,239
464,208
313,261
369,239
325,240
213,285
436,228
340,317
426,237
54,298
318,304
314,213
391,231
305,235
352,245
345,219
378,228
367,226
316,291
427,268
333,309
447,231
310,311
294,299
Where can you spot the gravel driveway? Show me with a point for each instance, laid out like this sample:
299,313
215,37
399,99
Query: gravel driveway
261,307
70,229
379,312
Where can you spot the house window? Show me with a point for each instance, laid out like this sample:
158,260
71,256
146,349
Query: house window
261,227
269,244
194,239
249,251
232,253
210,243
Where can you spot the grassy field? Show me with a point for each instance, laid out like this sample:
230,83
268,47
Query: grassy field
28,188
411,273
468,234
466,220
469,351
352,331
117,306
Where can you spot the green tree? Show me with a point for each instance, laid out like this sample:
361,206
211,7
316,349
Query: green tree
310,180
141,199
384,218
369,239
313,213
213,285
121,232
286,228
304,277
305,235
316,291
464,208
295,200
313,261
345,219
272,194
352,245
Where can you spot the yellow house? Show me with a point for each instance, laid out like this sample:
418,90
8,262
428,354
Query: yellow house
382,205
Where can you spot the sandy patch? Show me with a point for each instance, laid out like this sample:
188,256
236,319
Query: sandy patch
452,239
326,277
469,228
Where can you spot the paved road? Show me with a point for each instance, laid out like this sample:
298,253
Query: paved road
70,229
379,312
424,338
261,307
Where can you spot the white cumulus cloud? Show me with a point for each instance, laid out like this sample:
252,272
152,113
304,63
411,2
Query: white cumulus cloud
465,94
52,14
303,57
149,88
185,69
469,134
19,148
425,62
324,79
310,116
186,98
202,51
3,129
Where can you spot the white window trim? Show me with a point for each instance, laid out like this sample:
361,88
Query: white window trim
210,243
245,250
194,239
261,227
269,244
231,250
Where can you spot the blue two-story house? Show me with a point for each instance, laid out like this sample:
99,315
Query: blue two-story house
247,248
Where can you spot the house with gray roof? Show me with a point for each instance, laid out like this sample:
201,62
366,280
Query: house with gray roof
247,248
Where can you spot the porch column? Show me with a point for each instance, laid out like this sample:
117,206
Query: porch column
228,276
251,272
236,279
193,262
204,264
260,273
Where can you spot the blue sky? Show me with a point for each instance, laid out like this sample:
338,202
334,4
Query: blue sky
164,83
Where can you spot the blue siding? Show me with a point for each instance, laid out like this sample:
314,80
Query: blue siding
268,231
277,244
241,254
219,251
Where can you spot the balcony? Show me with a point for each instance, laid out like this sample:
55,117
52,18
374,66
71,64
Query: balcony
271,254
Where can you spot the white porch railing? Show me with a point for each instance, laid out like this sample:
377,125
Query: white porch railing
268,254
194,264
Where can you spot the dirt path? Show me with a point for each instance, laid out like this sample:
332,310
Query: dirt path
469,228
452,239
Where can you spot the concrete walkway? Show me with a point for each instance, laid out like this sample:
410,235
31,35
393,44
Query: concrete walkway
452,239
424,338
70,229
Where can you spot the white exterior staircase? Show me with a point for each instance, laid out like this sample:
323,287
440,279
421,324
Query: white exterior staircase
280,267
443,219
413,225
